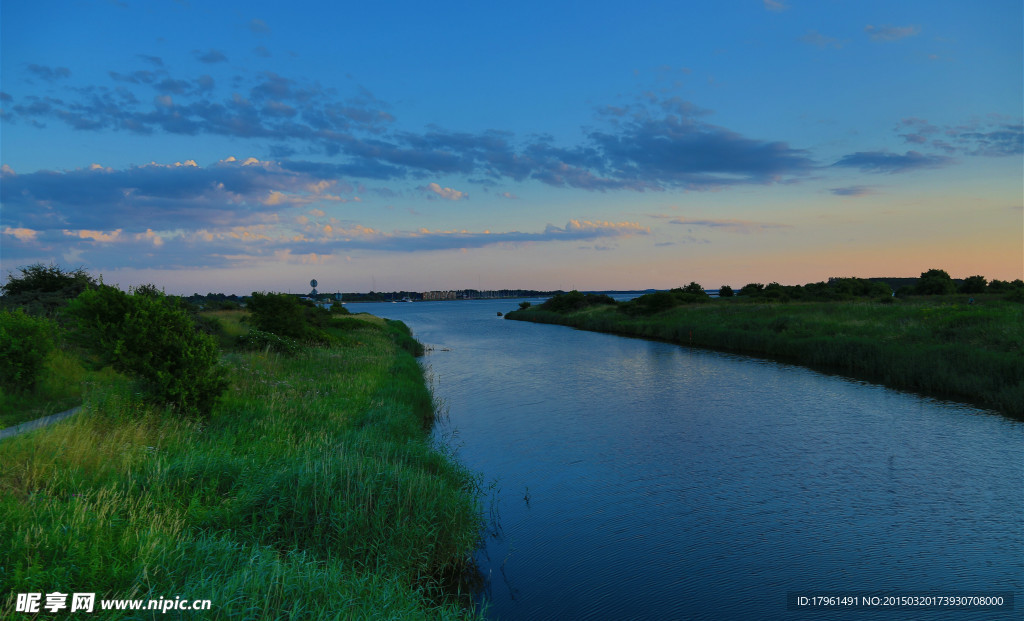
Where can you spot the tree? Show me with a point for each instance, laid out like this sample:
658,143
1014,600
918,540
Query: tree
973,284
278,313
725,291
148,336
44,289
935,282
24,344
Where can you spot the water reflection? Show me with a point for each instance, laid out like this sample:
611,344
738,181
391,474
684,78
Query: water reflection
643,480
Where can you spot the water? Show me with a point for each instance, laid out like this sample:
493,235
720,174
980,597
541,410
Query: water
634,479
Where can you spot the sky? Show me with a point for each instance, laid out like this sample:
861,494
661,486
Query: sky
252,146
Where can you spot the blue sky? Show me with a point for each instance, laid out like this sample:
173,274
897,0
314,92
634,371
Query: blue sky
224,146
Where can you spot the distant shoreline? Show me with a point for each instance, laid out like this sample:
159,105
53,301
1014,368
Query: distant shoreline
941,348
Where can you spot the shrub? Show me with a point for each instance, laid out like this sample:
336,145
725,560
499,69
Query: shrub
279,313
973,284
524,305
935,282
44,289
725,291
656,302
574,301
24,344
259,340
150,337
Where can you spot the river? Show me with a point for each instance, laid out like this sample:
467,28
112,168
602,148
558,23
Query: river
644,480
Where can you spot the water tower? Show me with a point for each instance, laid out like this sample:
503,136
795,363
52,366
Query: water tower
313,293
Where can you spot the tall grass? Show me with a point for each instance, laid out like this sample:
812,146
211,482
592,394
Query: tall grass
968,352
312,492
62,385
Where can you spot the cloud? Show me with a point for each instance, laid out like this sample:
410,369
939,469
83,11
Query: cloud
654,144
815,38
885,162
21,234
445,193
890,33
153,60
994,137
160,196
775,5
655,151
228,244
259,27
855,190
362,238
728,224
50,74
211,56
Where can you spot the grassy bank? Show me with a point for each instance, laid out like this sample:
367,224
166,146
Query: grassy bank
937,346
311,492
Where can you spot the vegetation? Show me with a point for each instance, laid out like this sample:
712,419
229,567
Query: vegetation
44,290
152,338
574,301
946,346
311,489
25,342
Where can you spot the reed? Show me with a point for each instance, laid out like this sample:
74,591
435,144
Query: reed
312,492
944,348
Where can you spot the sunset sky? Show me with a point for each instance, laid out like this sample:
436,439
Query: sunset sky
241,146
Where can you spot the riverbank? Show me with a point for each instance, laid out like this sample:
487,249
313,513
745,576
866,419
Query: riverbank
945,348
312,491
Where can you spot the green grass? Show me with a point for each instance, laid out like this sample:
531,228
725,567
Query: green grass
941,347
63,383
312,492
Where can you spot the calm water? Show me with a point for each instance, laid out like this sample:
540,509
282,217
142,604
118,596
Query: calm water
634,479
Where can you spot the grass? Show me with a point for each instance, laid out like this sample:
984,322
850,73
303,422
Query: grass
63,383
312,492
937,346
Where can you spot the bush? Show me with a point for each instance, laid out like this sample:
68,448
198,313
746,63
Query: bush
24,344
44,290
656,302
524,305
574,301
259,340
279,313
150,337
935,282
725,291
973,284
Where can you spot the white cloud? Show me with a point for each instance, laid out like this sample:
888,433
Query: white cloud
446,193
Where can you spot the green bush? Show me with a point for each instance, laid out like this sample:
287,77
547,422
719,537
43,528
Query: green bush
24,344
574,301
259,340
973,284
153,339
725,291
44,290
935,282
288,316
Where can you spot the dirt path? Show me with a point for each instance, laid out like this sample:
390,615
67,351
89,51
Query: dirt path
36,424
